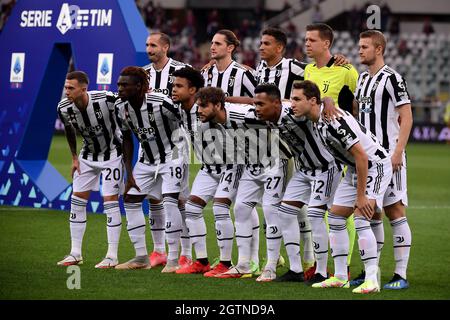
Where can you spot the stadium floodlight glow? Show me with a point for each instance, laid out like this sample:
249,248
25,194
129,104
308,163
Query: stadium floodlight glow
37,44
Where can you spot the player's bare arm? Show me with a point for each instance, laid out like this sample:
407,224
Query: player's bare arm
72,141
355,108
128,149
406,121
363,204
243,100
330,112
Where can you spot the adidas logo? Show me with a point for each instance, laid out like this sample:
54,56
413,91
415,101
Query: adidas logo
276,195
226,189
391,195
317,198
178,184
116,186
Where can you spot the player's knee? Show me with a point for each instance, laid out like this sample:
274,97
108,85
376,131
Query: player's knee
83,195
131,198
114,197
243,211
171,196
194,210
336,222
395,211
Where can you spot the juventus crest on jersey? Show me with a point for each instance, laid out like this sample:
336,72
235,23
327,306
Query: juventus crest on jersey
96,124
235,80
161,81
378,97
283,74
155,125
340,134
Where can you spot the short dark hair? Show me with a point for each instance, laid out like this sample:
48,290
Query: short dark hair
211,94
377,37
164,38
325,31
278,34
193,76
230,38
270,89
139,75
310,89
80,76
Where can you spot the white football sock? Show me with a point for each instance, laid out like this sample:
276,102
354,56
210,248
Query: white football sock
186,248
401,234
378,231
77,221
305,234
224,230
367,246
157,220
197,228
136,227
290,230
113,227
173,226
244,231
255,236
273,235
320,238
339,244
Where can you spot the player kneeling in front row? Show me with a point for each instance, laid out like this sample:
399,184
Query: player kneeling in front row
91,113
363,187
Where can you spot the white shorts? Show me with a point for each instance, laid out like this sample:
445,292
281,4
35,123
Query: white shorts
397,190
378,178
314,191
154,180
264,187
217,185
111,172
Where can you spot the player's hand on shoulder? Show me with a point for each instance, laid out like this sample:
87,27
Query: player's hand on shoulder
208,65
330,112
340,60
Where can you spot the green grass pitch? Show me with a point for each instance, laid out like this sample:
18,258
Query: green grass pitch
32,241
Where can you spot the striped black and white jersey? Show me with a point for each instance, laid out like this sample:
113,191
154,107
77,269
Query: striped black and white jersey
96,124
235,80
283,74
257,143
162,80
200,140
156,126
310,156
342,133
378,97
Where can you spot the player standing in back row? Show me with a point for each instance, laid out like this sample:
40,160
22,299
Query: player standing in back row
160,71
385,109
91,113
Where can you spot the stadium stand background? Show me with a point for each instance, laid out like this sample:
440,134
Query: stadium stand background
418,38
